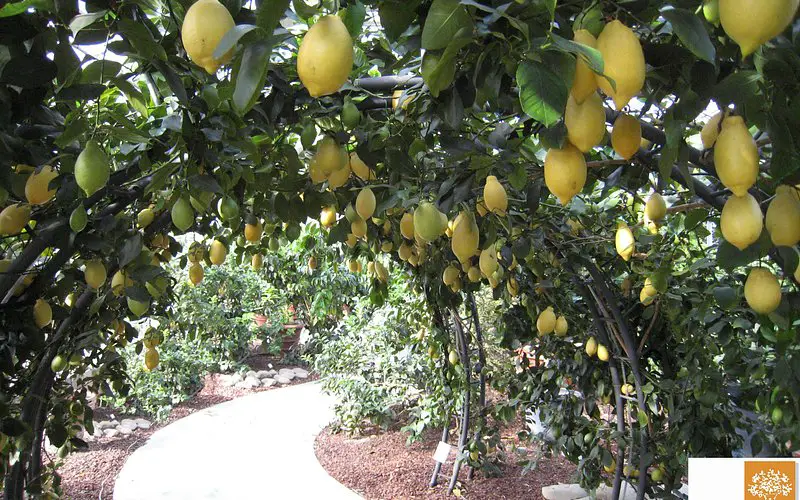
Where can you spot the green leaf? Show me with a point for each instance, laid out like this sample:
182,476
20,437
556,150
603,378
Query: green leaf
729,257
130,250
173,80
691,32
353,17
270,13
13,9
591,56
142,40
230,39
396,16
29,71
100,71
726,297
542,93
737,88
83,20
445,19
641,417
252,73
135,98
303,9
72,132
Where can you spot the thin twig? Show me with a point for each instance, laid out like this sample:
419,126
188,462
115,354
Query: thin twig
649,328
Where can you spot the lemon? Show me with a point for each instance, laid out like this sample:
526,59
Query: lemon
78,218
327,217
783,217
494,195
360,169
649,289
591,347
404,251
741,221
119,282
711,11
351,240
656,208
145,217
627,389
339,178
312,262
624,241
217,252
750,23
352,265
564,172
762,291
428,221
381,272
657,475
151,355
452,357
351,116
59,363
450,275
37,187
407,226
274,244
546,322
196,273
623,60
465,237
257,261
14,218
365,203
480,207
227,208
316,175
42,313
488,261
561,326
325,56
95,274
359,228
138,308
92,169
710,131
182,214
585,82
330,156
512,286
204,25
586,122
602,352
736,156
253,232
387,247
387,228
626,136
474,274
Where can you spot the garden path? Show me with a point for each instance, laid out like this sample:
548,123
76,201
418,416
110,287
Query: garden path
255,447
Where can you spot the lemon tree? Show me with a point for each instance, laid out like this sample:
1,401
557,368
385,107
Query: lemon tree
493,147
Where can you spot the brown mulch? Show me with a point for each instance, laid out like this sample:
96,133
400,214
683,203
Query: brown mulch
90,475
381,466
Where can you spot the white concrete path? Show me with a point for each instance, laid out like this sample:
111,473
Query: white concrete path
259,446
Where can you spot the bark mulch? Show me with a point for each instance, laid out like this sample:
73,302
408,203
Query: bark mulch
90,475
380,466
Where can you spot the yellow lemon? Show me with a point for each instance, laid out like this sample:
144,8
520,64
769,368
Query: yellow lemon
429,222
710,131
360,168
138,308
783,217
656,208
42,313
404,251
488,261
312,262
95,274
750,23
145,217
253,232
327,217
325,56
365,203
624,241
474,274
381,272
14,218
257,261
316,174
217,252
151,355
591,347
196,273
37,187
204,25
407,226
564,172
339,178
623,62
626,136
330,156
546,322
387,247
359,228
561,326
602,352
736,156
512,286
586,122
465,237
585,82
741,221
762,291
480,207
494,195
119,282
450,275
92,169
351,240
182,214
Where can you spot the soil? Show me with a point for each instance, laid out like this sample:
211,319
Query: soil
90,475
379,465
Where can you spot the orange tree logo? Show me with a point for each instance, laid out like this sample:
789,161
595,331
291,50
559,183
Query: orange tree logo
769,480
